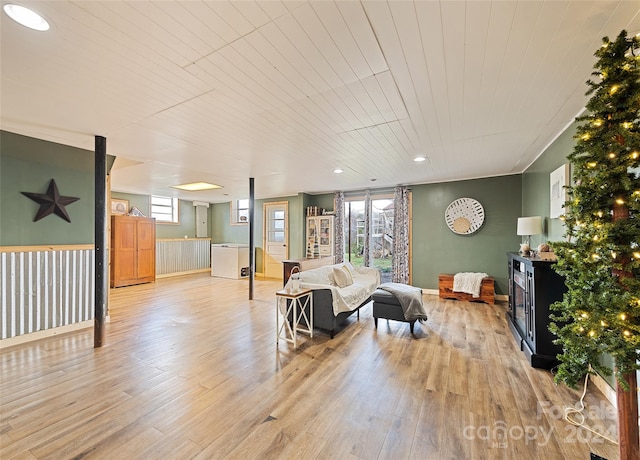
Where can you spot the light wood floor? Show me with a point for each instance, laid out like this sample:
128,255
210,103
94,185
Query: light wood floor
191,370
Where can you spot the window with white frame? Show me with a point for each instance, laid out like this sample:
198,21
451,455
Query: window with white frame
165,209
239,212
380,237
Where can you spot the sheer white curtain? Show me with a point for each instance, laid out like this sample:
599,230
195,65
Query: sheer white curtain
338,231
400,264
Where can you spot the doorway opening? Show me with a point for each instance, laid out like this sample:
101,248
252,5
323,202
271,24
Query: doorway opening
380,237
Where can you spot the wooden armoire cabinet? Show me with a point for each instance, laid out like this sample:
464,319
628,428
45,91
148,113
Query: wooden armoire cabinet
133,250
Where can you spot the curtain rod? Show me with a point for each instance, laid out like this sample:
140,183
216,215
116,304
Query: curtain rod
376,191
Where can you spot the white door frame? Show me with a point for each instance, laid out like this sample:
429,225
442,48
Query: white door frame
265,234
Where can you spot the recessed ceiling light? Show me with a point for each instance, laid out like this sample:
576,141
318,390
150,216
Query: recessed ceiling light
338,171
419,159
26,17
196,186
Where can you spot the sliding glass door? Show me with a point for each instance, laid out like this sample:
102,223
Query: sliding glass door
379,241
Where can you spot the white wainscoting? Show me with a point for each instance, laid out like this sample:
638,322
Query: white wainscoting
181,256
45,287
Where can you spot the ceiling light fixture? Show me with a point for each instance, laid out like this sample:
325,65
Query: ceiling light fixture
419,159
196,186
338,171
26,17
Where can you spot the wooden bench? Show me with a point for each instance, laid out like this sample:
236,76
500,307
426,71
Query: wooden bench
445,290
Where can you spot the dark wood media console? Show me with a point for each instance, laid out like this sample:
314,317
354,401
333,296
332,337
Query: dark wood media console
533,287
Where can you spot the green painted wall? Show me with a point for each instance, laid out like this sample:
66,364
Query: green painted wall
223,232
28,165
323,201
535,186
221,229
297,213
186,227
436,249
306,201
139,201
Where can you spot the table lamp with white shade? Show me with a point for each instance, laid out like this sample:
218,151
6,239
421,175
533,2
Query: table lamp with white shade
528,226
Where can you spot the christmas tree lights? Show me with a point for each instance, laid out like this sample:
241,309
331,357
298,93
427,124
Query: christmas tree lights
600,313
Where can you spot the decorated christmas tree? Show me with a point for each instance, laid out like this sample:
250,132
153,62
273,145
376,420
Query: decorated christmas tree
600,313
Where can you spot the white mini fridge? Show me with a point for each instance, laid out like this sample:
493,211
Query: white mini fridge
230,260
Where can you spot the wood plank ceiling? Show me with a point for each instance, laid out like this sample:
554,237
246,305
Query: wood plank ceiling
286,92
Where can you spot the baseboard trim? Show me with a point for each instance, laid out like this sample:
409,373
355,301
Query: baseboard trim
602,385
188,272
499,297
26,338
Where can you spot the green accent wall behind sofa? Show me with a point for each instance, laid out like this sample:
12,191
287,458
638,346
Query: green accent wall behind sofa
28,165
436,249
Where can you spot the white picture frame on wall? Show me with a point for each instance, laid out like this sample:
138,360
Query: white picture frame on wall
558,193
119,207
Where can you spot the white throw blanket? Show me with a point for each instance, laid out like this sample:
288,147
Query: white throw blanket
469,283
365,281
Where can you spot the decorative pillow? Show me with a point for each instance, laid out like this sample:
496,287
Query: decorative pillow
349,267
342,276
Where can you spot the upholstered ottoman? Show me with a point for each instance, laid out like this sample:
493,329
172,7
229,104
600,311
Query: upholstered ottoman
387,306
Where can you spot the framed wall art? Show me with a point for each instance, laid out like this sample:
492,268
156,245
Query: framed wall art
464,216
136,212
119,207
559,180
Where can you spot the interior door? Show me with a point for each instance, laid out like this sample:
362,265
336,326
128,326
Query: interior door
276,236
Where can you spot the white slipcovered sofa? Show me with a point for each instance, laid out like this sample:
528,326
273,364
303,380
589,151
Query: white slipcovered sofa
339,290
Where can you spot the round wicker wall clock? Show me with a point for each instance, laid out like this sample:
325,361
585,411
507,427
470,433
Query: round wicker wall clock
464,216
